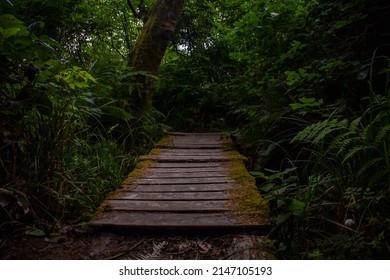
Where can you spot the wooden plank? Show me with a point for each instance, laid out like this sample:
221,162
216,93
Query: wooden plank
167,158
188,164
168,174
183,188
191,151
215,144
195,134
167,220
186,154
184,169
190,146
182,181
195,152
192,140
220,195
175,141
167,206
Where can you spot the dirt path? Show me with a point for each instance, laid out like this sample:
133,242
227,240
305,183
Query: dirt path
108,245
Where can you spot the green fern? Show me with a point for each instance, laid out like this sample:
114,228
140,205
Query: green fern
318,132
370,163
382,135
341,142
355,124
354,152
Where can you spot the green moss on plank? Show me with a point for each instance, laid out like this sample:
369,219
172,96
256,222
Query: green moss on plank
246,197
166,141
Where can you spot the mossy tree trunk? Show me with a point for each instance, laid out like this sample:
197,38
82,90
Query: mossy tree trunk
152,43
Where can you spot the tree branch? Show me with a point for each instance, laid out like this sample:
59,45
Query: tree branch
142,11
133,10
124,21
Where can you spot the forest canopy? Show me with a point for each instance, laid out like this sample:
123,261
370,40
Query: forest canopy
301,86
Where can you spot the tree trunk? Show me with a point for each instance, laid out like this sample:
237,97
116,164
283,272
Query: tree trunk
152,43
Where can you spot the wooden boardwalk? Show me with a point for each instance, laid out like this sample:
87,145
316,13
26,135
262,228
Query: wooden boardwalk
189,181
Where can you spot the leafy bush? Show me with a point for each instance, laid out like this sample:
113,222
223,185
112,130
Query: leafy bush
68,132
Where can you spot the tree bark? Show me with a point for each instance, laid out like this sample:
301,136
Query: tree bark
152,43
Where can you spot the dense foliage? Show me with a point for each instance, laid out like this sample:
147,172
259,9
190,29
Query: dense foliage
69,132
302,86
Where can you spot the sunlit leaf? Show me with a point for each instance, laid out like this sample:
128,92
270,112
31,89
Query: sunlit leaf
296,205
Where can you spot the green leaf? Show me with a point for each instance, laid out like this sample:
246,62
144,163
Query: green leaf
258,174
118,113
9,22
296,205
8,32
35,232
306,102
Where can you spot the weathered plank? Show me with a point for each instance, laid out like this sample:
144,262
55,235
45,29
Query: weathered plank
186,170
183,196
186,185
195,134
193,152
183,188
167,220
184,174
189,146
183,158
194,141
188,164
167,206
183,181
179,152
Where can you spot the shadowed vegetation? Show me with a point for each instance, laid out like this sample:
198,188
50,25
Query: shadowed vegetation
301,86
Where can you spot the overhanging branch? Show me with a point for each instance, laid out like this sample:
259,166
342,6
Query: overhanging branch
133,10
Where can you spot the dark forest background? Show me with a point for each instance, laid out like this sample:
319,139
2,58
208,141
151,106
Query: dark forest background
301,86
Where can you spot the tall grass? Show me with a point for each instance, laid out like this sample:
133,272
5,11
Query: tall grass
74,146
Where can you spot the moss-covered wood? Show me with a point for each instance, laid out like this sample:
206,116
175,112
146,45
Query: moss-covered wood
151,44
182,185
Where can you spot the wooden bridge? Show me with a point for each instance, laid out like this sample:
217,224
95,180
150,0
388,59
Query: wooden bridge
189,181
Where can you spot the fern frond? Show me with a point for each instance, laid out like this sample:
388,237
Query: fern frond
340,142
329,129
354,151
317,132
157,253
309,132
368,165
353,126
381,135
